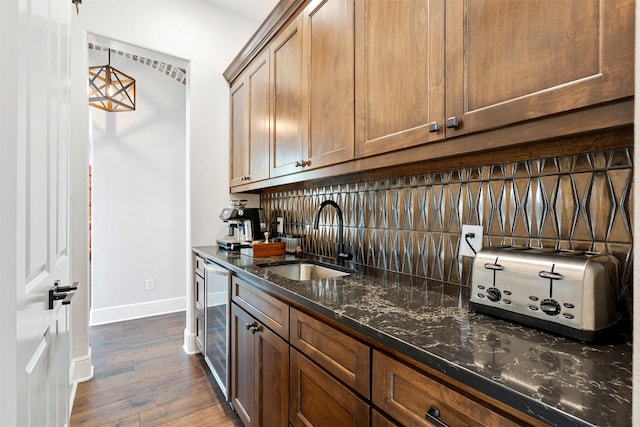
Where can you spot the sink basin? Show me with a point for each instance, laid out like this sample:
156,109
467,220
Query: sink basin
306,270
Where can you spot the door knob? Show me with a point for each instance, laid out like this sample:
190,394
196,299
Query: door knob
63,293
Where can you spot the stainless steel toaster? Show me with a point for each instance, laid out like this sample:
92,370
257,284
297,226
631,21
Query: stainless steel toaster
570,293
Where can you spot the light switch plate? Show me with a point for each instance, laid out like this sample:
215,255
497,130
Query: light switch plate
475,241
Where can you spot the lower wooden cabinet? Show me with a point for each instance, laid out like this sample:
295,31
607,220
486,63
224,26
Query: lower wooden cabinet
379,420
259,372
415,399
326,377
344,357
319,400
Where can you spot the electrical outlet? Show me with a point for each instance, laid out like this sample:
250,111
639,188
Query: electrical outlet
150,284
280,225
475,241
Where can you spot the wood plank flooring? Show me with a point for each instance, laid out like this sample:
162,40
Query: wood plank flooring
144,378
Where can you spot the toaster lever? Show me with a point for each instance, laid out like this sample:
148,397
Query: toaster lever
551,275
489,266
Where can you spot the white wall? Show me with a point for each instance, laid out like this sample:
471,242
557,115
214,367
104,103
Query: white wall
139,197
209,38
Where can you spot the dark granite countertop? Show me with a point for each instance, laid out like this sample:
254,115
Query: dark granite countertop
553,379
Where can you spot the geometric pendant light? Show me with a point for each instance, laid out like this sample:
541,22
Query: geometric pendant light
111,89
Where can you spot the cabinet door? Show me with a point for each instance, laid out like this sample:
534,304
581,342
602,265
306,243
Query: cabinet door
400,69
259,117
244,370
329,75
272,380
289,107
513,61
319,400
239,139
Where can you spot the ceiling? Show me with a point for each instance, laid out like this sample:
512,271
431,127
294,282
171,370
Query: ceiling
256,10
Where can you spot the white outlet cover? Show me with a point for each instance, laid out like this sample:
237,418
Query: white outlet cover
475,241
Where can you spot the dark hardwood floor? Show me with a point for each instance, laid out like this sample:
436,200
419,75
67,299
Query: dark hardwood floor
144,378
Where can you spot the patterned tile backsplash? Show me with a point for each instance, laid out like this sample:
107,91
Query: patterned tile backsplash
412,224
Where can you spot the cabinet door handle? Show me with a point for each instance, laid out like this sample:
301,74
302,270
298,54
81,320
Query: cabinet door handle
453,123
302,163
253,327
432,416
434,127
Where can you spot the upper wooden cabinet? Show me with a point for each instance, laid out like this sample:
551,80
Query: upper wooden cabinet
289,118
386,82
329,78
508,62
313,92
239,137
400,74
251,123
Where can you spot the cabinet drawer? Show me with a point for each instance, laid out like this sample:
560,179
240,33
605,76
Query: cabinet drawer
268,310
199,266
379,420
316,399
199,293
408,395
341,355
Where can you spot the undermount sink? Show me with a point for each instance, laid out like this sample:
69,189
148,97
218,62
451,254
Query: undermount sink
306,270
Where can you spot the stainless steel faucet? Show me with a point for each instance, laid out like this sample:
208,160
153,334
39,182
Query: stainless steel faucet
341,256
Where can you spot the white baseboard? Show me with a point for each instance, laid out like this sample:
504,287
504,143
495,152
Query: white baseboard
101,316
81,369
190,347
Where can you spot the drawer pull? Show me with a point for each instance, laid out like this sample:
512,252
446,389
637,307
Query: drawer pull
432,416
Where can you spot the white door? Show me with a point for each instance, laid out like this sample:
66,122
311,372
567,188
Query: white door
34,211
